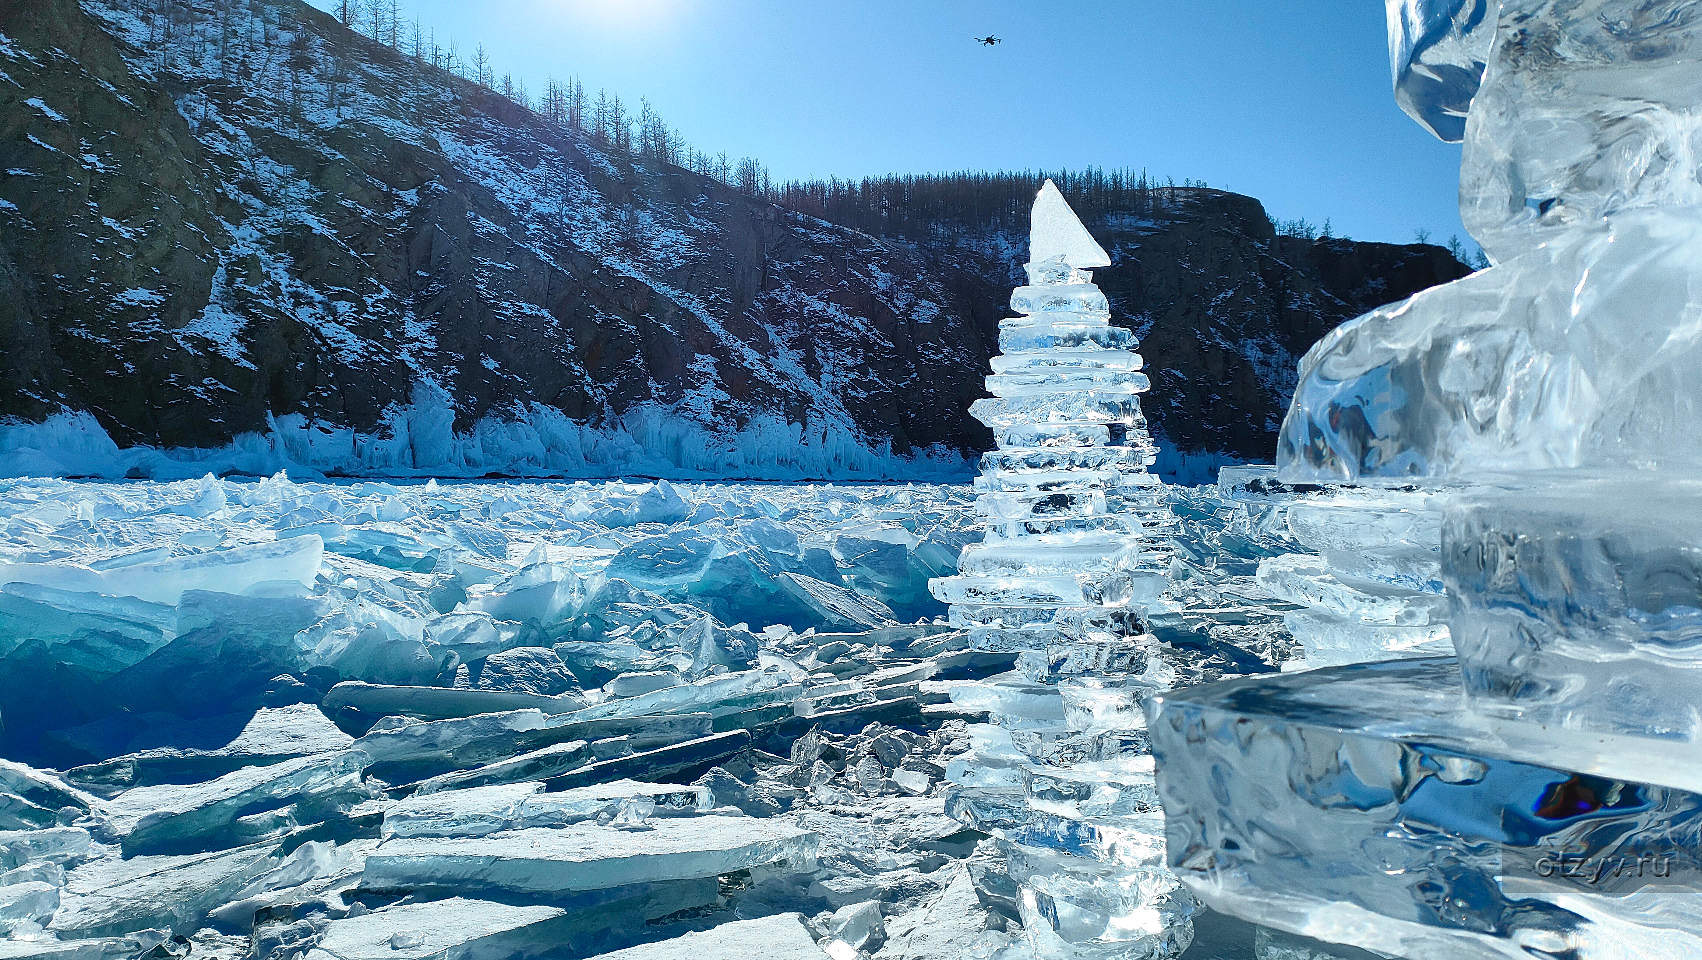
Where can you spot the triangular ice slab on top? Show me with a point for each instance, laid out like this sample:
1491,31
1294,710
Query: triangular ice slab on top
1056,231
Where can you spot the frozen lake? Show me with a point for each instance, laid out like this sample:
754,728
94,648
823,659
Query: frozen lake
321,694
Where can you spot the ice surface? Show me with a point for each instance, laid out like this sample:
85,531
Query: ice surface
780,937
587,857
454,929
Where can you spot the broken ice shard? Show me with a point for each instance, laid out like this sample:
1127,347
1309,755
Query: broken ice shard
1437,49
442,928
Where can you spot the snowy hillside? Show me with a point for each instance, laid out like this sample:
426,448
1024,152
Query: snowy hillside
252,239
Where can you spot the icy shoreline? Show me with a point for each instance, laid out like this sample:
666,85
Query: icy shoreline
420,441
539,445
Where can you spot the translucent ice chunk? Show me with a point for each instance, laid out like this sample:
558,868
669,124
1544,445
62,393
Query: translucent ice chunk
1581,345
273,734
1010,458
30,903
1066,361
1576,602
1588,116
1085,408
239,807
1030,382
1056,233
1368,804
458,813
1062,331
1067,298
1437,50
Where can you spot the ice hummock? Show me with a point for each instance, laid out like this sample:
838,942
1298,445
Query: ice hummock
314,713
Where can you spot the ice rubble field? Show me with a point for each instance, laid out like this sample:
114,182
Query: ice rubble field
528,655
520,589
280,719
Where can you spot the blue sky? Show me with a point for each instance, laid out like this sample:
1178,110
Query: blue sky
1285,100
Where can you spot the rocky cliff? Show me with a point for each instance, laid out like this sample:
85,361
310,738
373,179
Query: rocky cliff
243,219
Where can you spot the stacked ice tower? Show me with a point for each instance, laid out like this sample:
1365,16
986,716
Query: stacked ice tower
1072,559
1538,793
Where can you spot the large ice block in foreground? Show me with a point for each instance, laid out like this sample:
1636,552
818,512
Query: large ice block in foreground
1576,603
1582,345
1368,804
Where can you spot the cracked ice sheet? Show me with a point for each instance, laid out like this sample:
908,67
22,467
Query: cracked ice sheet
780,937
585,857
447,929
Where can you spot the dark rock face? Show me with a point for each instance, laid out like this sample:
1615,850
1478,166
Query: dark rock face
1225,310
203,232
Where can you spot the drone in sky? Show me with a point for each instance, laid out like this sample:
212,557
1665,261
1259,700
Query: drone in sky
988,41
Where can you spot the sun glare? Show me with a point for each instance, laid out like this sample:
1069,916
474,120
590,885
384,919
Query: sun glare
625,12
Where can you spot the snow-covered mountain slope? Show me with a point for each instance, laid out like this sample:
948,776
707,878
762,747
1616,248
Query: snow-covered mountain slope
242,228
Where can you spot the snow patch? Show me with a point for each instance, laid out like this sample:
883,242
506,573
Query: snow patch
139,297
45,110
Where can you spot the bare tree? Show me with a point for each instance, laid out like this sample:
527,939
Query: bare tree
600,125
482,66
576,104
620,130
300,61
